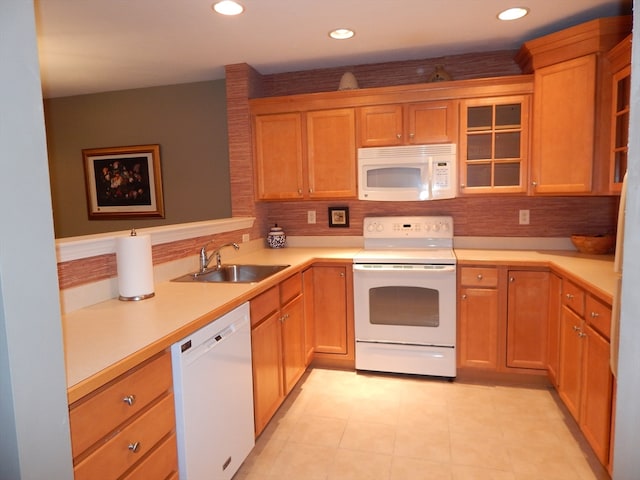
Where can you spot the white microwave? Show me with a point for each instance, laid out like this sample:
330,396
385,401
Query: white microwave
414,172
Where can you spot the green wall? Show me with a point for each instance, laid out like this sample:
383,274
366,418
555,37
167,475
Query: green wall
188,121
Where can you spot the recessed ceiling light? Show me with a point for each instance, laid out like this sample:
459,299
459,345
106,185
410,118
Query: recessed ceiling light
228,7
513,13
341,33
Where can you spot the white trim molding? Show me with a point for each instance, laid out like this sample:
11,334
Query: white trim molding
74,248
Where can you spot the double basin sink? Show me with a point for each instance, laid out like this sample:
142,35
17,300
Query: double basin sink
233,273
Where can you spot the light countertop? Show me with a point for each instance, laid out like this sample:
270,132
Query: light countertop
105,340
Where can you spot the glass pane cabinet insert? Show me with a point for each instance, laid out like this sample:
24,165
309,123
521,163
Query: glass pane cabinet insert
494,145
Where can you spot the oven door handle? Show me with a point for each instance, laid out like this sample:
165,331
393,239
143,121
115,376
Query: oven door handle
404,268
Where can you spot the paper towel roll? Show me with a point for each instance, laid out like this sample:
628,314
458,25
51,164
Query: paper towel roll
135,267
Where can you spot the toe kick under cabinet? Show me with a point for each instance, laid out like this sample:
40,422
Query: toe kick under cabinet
126,429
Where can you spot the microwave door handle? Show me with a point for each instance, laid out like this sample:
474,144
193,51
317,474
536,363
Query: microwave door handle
430,181
425,179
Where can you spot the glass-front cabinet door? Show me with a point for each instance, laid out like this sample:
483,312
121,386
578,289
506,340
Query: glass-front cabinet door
494,145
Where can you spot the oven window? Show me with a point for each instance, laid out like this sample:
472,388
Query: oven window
404,306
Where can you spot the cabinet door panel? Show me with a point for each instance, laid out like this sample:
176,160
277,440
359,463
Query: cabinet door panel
266,351
331,153
330,305
563,147
294,359
595,412
432,122
553,337
527,319
478,332
380,125
278,154
569,387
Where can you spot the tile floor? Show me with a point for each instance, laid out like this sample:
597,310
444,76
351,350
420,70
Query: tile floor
340,425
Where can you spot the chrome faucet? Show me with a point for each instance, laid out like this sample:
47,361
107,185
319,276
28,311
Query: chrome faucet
205,259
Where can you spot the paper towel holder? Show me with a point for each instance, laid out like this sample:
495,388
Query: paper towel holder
135,298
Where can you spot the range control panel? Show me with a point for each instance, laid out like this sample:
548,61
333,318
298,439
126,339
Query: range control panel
408,227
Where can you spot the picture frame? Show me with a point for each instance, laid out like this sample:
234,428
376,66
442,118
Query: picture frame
123,182
339,217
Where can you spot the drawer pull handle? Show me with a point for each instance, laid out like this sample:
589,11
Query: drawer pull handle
569,296
480,276
134,447
595,314
129,400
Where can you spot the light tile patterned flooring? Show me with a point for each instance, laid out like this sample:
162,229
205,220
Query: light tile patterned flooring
341,425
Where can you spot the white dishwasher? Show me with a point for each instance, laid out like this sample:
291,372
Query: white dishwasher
213,388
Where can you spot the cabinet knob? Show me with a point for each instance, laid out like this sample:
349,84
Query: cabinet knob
480,276
511,279
595,314
300,191
398,136
582,334
576,328
462,185
311,190
534,183
129,400
412,135
342,274
569,296
134,447
464,296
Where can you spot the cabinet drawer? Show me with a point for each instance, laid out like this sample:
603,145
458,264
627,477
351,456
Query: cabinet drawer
92,418
290,288
479,277
160,463
598,315
116,455
573,297
264,305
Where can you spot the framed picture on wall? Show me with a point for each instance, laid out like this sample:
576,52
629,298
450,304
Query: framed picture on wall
123,182
339,217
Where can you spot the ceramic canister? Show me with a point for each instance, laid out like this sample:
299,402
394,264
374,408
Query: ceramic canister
276,237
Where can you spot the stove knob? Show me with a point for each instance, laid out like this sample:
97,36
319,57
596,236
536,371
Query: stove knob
436,227
445,227
371,227
380,227
427,227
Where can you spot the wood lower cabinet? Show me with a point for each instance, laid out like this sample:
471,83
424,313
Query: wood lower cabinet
277,346
332,311
408,124
585,378
553,328
527,320
478,318
126,429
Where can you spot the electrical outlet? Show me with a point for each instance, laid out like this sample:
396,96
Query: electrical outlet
245,237
311,216
524,217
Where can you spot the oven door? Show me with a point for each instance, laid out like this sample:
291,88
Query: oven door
405,304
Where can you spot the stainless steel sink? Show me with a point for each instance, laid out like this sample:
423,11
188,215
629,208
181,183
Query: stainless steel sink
233,273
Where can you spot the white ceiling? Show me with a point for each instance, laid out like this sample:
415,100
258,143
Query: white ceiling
89,46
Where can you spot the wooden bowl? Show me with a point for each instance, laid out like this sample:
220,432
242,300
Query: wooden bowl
594,244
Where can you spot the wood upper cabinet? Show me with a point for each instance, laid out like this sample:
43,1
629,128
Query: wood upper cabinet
564,127
478,318
278,156
620,61
304,155
407,124
331,154
494,144
572,106
527,317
